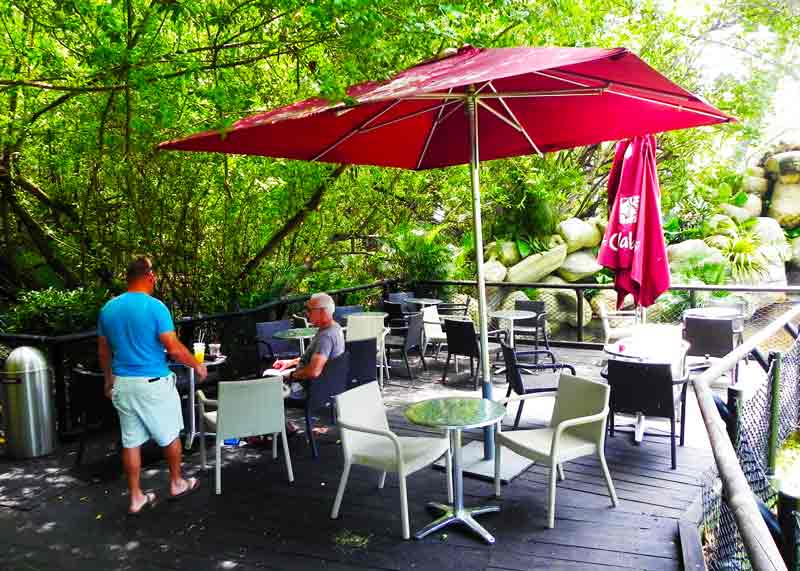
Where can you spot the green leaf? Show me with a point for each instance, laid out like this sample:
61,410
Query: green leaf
524,248
739,199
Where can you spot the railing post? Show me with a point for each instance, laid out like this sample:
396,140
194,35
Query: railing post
788,508
735,397
579,297
692,298
57,358
776,360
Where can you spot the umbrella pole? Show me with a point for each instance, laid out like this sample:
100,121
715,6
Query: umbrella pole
474,171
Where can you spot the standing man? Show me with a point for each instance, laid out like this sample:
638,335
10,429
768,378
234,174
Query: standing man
133,331
328,343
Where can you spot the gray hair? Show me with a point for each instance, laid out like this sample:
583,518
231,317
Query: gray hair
324,301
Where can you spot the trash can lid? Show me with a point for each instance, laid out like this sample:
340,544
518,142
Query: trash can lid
25,360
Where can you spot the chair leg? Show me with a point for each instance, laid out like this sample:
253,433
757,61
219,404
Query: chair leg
561,472
611,423
404,507
448,458
275,446
607,475
422,357
519,414
497,453
310,436
446,364
287,457
408,367
683,414
203,444
382,480
551,496
218,467
672,441
337,503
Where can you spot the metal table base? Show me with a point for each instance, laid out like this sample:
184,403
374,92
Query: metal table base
457,513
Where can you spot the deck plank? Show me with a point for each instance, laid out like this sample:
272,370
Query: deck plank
53,519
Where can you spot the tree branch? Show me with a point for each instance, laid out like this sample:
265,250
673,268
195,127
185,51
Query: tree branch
295,221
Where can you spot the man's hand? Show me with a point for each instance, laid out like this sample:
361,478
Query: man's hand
201,372
281,364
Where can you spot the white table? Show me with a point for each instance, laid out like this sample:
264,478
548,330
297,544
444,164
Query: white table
512,315
192,432
423,301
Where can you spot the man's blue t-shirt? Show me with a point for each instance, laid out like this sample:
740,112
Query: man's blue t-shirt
132,323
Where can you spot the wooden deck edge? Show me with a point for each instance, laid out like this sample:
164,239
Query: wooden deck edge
689,536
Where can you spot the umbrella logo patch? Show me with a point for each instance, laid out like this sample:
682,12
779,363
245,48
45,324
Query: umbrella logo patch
628,209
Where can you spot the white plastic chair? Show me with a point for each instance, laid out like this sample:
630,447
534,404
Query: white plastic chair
577,428
433,329
361,327
244,408
619,324
368,441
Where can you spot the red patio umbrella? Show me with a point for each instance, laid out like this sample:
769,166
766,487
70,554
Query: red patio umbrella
477,104
633,245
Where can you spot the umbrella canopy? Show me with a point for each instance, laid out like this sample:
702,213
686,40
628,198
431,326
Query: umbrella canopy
633,245
477,104
529,100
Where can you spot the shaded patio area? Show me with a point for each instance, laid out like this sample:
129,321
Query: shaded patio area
53,516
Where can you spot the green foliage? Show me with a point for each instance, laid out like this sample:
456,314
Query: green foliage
90,88
709,273
55,312
417,254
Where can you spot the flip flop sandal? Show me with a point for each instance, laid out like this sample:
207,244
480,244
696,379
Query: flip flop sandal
194,485
149,504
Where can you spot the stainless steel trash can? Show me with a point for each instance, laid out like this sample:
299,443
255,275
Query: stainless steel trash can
27,404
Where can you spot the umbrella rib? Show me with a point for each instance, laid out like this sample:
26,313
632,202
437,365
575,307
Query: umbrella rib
556,93
514,117
355,131
565,80
671,105
429,138
409,116
630,86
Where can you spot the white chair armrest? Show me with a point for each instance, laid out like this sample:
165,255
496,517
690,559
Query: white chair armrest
398,453
541,394
204,400
565,424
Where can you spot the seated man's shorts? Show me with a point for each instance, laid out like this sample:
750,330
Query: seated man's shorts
147,409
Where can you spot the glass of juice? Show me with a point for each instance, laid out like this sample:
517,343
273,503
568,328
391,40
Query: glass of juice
199,351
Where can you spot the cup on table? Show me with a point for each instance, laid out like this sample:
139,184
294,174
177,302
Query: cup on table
199,352
213,350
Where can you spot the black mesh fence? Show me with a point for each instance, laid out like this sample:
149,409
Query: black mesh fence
723,546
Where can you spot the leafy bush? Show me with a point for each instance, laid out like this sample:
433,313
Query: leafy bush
415,254
55,312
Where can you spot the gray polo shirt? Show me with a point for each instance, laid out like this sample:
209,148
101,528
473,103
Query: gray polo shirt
328,342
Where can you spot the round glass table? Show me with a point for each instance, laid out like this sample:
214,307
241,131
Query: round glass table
298,333
512,315
455,414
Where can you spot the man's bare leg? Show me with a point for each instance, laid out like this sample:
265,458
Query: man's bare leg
172,452
132,463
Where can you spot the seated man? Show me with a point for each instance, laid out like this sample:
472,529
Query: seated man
328,343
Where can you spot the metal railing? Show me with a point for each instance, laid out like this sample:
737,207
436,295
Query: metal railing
737,493
236,328
590,336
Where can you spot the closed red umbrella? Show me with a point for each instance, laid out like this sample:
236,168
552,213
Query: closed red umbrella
633,245
477,104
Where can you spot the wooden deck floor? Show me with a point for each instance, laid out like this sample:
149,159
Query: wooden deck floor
52,517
